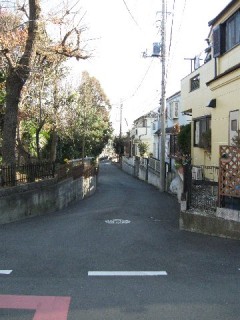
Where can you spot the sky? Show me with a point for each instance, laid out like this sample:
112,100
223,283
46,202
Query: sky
117,34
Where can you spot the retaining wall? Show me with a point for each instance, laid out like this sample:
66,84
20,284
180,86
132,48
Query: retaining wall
154,178
142,173
42,197
209,224
128,165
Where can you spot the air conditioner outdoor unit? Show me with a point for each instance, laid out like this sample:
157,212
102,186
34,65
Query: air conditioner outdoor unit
197,173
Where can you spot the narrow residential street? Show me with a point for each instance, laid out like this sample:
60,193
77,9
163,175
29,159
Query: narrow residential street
89,261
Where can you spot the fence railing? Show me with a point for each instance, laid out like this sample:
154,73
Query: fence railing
154,164
144,162
205,174
14,175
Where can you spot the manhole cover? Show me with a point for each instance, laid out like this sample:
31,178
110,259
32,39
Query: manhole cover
117,221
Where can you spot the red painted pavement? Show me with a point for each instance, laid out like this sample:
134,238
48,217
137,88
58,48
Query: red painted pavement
47,308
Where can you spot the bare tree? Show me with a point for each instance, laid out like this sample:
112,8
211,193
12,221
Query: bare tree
16,78
19,70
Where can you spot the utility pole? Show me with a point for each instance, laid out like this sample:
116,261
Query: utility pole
120,131
162,55
163,98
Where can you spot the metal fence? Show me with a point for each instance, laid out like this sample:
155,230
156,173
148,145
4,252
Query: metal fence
201,187
154,164
14,175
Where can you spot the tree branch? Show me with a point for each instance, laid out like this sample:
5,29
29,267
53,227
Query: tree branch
6,54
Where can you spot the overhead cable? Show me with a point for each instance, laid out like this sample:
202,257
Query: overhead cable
134,20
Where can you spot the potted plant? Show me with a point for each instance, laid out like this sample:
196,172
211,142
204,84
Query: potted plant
178,165
181,161
143,148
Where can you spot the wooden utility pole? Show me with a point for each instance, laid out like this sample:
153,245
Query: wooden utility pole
163,99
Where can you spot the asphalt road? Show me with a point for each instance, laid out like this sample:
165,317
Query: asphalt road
51,256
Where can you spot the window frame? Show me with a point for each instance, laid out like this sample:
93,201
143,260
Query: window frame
222,33
232,31
195,82
201,125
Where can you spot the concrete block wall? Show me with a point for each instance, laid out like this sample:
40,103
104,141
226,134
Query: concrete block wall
42,197
128,165
154,178
209,224
228,214
142,172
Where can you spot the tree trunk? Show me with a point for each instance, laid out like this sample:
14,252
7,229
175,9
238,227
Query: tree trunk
13,85
23,154
83,146
38,130
53,150
16,78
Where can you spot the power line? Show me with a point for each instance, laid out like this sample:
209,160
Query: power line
179,28
144,77
150,100
134,20
170,38
171,31
139,85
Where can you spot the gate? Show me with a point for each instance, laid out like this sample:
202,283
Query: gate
229,177
201,187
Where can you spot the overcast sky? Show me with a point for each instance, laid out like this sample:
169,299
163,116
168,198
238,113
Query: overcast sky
122,30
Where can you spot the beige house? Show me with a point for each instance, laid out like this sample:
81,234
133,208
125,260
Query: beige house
211,93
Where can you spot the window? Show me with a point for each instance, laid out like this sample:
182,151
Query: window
234,125
195,82
142,123
201,127
174,110
233,31
226,35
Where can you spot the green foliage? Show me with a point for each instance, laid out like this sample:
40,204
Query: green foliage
2,76
118,145
68,149
89,128
1,118
184,139
143,148
2,97
29,137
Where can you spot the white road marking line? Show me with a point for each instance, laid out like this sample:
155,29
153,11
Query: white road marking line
126,273
5,271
